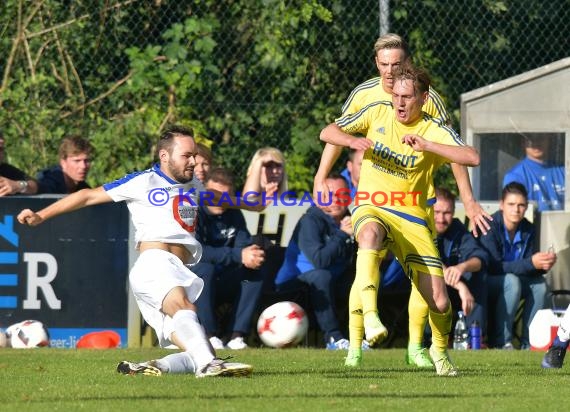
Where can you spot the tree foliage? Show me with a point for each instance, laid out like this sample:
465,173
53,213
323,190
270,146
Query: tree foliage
242,74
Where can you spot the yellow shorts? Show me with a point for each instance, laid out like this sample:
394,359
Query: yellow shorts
408,237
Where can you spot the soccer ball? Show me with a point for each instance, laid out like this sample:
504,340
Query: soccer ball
282,325
28,334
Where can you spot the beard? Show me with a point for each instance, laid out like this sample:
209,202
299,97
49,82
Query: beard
180,174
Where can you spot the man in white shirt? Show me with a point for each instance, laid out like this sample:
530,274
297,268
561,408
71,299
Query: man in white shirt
163,202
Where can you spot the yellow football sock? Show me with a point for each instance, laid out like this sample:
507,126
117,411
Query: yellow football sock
440,328
418,313
367,280
355,318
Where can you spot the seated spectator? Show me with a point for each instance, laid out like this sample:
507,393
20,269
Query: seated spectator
463,260
544,182
352,171
515,268
230,266
13,181
319,255
266,170
203,162
74,164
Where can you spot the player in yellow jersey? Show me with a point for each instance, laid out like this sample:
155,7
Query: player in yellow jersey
404,147
390,52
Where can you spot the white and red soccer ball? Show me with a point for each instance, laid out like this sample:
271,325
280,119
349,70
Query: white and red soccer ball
282,325
27,334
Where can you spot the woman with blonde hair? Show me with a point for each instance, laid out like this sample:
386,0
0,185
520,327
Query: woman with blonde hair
204,162
266,171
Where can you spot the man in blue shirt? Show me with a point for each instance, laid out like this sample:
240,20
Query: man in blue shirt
318,255
352,171
515,268
463,261
230,266
544,182
74,164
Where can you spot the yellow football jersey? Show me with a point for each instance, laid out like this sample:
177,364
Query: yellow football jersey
393,175
372,91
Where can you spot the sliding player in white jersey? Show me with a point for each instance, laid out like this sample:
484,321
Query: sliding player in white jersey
163,203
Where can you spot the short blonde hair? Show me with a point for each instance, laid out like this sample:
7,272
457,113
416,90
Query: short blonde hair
275,154
391,41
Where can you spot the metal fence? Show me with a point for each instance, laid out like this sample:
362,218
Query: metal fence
246,73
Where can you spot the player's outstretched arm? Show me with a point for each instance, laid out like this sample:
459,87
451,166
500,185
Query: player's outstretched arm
464,155
478,217
333,134
74,201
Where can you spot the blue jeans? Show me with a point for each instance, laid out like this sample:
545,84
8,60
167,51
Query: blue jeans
323,287
238,285
505,293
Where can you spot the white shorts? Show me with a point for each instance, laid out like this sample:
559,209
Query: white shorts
154,274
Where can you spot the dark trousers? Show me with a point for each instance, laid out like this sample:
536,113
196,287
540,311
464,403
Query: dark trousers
323,290
237,285
477,284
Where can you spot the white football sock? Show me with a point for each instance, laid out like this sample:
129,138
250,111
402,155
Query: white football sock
191,334
564,328
180,362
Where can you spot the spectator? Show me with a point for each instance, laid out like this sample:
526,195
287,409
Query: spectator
515,268
266,171
544,182
463,260
203,162
230,266
318,255
74,164
352,171
13,181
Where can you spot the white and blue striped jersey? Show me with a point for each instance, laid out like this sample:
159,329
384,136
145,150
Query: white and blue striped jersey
162,209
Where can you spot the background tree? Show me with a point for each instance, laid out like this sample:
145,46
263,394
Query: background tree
242,74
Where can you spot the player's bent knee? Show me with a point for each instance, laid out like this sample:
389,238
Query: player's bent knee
371,236
442,305
176,300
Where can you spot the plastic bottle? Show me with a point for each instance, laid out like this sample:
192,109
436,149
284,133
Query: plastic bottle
461,334
475,335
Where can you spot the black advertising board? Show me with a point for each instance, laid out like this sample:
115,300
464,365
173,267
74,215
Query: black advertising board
69,273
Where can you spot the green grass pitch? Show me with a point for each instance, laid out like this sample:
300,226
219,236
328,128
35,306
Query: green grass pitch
289,380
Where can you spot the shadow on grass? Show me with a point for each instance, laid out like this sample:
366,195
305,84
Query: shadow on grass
273,396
